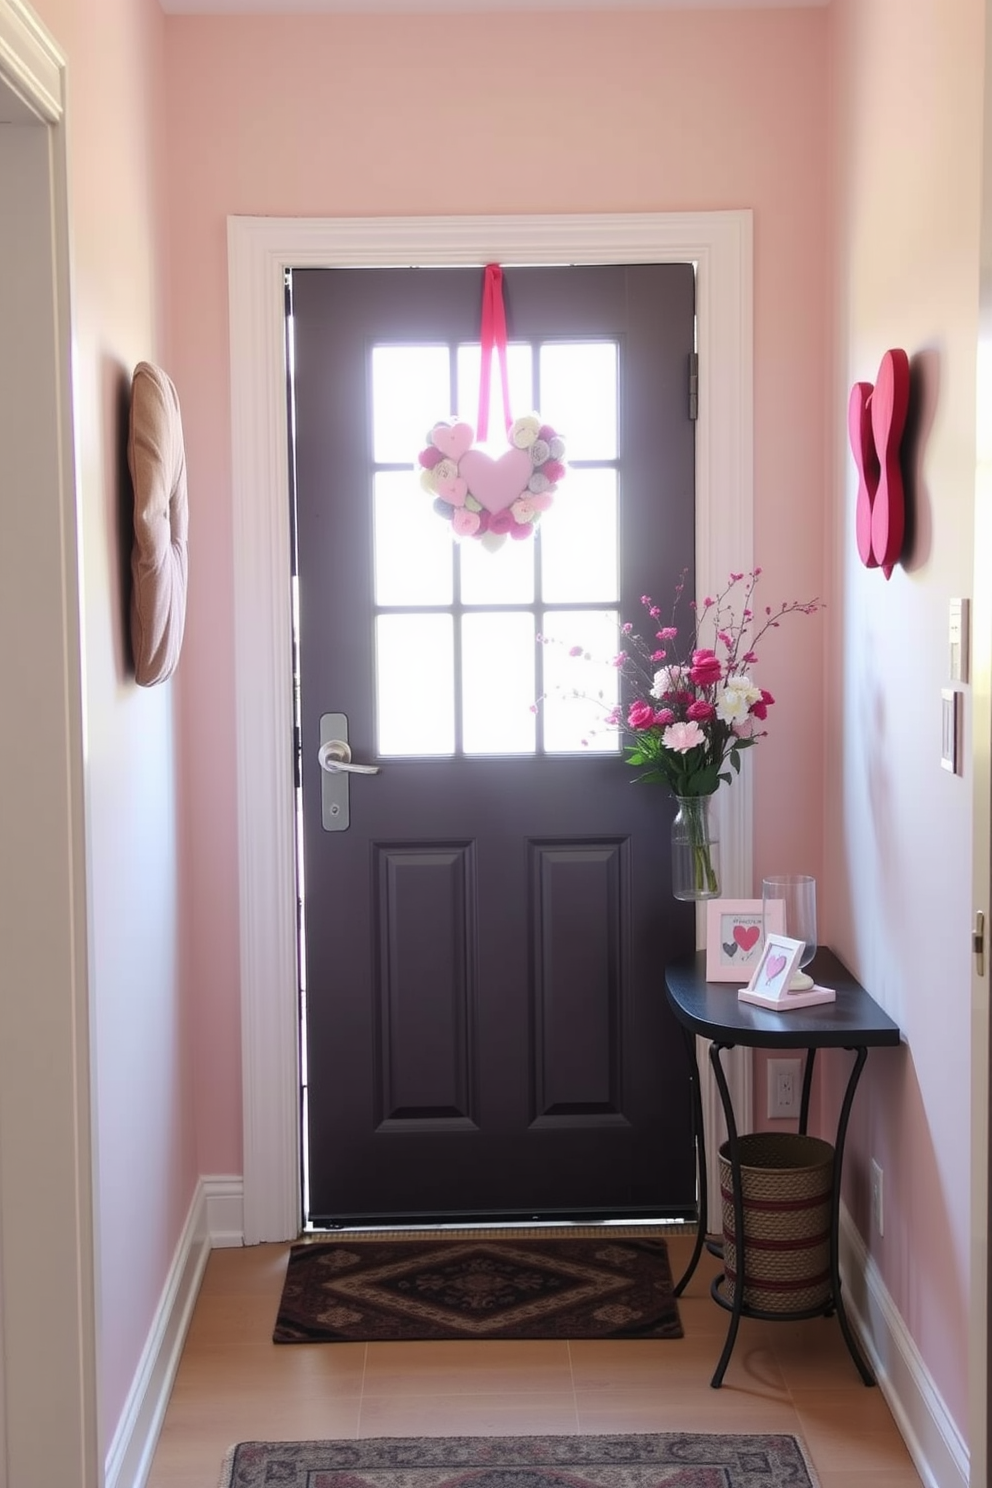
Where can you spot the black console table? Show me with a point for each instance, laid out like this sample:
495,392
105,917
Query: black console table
710,1009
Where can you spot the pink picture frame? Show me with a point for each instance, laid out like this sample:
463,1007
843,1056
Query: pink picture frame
734,936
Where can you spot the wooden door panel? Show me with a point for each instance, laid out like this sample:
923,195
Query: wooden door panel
424,990
577,914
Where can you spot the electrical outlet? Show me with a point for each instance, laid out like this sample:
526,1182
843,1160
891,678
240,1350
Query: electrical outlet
877,1211
784,1087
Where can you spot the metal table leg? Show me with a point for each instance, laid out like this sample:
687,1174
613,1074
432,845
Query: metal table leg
700,1145
735,1172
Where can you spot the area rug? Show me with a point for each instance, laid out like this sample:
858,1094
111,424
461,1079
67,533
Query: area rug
674,1460
343,1291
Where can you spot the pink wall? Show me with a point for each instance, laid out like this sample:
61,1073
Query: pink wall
346,116
908,133
145,1156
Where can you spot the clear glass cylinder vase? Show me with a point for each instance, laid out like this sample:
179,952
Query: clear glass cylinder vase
695,849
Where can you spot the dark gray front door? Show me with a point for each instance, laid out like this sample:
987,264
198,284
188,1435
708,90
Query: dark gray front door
485,1030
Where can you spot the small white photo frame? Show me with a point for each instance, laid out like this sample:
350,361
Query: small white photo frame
734,935
774,971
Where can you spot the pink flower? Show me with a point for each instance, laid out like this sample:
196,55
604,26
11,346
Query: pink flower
575,651
701,711
640,716
658,655
502,521
681,737
664,716
760,709
667,681
465,522
667,633
705,669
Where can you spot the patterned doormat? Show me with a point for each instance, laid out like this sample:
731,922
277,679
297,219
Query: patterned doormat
674,1460
347,1291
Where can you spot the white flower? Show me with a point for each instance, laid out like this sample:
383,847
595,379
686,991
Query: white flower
734,701
731,705
742,683
668,680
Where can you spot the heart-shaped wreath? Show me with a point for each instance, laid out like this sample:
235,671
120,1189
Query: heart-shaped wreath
492,497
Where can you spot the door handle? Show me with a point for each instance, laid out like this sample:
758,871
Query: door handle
335,756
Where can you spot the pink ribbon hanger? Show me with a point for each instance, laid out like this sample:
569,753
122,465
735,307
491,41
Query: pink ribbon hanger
492,335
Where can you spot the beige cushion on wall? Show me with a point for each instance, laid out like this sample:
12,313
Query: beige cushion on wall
157,461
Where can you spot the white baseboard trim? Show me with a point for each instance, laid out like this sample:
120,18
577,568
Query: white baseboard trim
938,1450
225,1211
214,1220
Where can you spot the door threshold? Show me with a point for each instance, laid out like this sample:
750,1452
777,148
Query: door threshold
506,1230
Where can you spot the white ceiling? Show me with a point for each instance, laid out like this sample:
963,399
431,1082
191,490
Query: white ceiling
422,7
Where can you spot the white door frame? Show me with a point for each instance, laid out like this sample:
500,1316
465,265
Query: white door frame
260,250
47,1275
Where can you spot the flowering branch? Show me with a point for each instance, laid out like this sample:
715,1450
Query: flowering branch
690,710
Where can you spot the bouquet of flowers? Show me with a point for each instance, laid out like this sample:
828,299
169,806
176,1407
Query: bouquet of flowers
692,708
689,706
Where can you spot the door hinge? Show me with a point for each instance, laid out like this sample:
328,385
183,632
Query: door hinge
978,943
693,384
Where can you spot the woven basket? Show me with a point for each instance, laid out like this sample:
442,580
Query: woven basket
787,1183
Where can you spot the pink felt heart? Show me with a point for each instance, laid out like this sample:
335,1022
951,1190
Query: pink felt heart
746,936
773,966
453,491
496,484
453,439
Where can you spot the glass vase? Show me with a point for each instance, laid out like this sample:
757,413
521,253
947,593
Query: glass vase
695,850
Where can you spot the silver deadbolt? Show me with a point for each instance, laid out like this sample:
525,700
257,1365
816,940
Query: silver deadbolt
336,765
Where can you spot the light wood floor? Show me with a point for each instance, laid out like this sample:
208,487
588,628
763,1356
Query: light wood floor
234,1384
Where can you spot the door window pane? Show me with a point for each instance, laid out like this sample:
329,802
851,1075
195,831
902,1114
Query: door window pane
579,539
519,369
415,695
418,564
504,577
580,690
411,391
412,546
498,681
579,396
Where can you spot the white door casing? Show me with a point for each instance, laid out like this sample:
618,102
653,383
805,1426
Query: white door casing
260,250
47,1276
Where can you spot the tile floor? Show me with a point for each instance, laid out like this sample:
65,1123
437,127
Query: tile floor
234,1384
